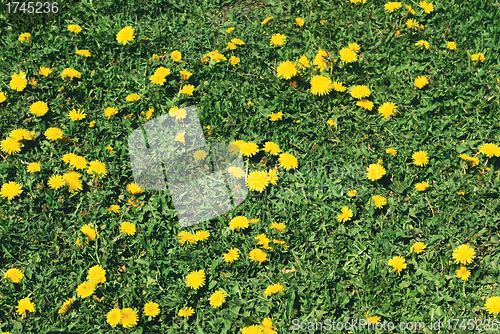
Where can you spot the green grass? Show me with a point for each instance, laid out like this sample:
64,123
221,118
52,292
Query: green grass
340,270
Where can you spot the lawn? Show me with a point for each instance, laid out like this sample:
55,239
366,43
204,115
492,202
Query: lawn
367,163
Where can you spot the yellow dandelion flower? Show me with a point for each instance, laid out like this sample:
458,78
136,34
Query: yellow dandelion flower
267,19
352,193
76,115
177,113
398,264
375,172
274,289
464,254
365,104
195,279
39,108
421,81
133,97
331,122
379,201
391,151
218,298
288,161
70,73
286,69
272,148
236,172
134,189
428,7
89,231
345,215
412,24
360,91
74,28
83,53
125,35
422,186
338,86
258,255
66,306
392,6
463,273
278,226
186,312
10,146
3,97
257,181
85,289
201,236
176,55
418,247
33,167
24,37
18,81
239,223
97,275
14,274
24,305
127,228
234,60
232,255
348,55
114,317
249,149
72,180
492,305
321,85
490,150
387,109
278,39
129,317
200,155
422,44
451,45
186,237
420,158
275,116
299,21
151,309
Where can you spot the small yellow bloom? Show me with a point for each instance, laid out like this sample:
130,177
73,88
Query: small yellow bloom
422,44
25,37
478,57
267,19
234,60
391,151
331,122
418,247
398,264
451,45
14,274
74,28
275,116
299,21
133,97
127,228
